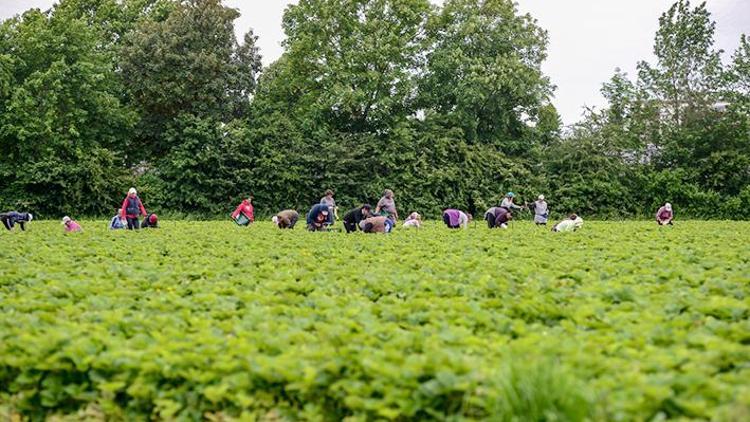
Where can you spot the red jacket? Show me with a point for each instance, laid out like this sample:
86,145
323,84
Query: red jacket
245,208
124,210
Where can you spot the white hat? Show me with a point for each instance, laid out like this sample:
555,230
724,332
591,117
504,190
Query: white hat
668,206
31,216
275,219
541,197
324,212
65,219
132,191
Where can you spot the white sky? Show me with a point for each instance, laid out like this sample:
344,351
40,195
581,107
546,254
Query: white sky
588,38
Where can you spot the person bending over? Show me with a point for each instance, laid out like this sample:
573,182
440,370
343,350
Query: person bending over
570,224
456,219
414,220
377,224
286,219
317,218
151,221
71,226
11,218
665,215
501,217
355,216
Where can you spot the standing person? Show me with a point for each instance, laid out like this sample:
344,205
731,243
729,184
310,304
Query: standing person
508,204
10,219
317,218
244,214
151,221
456,219
355,216
286,219
71,226
132,208
570,224
413,220
500,218
332,209
665,215
117,223
541,211
376,224
387,205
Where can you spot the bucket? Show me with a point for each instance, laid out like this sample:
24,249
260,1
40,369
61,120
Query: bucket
242,220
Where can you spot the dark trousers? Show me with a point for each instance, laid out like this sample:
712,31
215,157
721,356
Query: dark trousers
490,220
133,223
350,226
447,221
6,222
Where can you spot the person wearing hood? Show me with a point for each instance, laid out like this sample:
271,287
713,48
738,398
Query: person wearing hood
12,218
70,225
498,217
151,221
541,211
377,224
508,203
570,224
355,216
132,208
665,215
244,214
286,219
456,219
317,218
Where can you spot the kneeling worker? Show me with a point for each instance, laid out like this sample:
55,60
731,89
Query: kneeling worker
571,224
355,216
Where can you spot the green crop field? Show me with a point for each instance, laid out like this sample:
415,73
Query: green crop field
619,321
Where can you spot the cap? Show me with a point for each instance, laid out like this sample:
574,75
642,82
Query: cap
510,194
65,219
324,212
153,219
275,219
668,206
541,197
31,216
132,191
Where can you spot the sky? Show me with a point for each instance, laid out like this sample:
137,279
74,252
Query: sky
588,38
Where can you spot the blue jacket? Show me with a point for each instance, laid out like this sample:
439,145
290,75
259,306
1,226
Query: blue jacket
315,212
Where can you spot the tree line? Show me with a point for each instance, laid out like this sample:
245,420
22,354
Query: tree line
447,105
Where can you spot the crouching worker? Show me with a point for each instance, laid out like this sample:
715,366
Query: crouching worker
286,219
317,218
117,222
355,216
151,221
499,218
489,216
413,220
10,219
456,219
71,226
665,215
243,215
377,224
571,224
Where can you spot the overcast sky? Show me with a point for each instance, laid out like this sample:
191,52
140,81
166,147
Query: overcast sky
588,38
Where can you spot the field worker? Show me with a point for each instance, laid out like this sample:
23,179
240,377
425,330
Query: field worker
489,217
500,218
414,220
665,215
151,221
117,222
244,214
387,205
355,216
71,226
286,219
541,211
508,204
317,218
455,219
377,224
332,209
571,224
10,219
132,208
